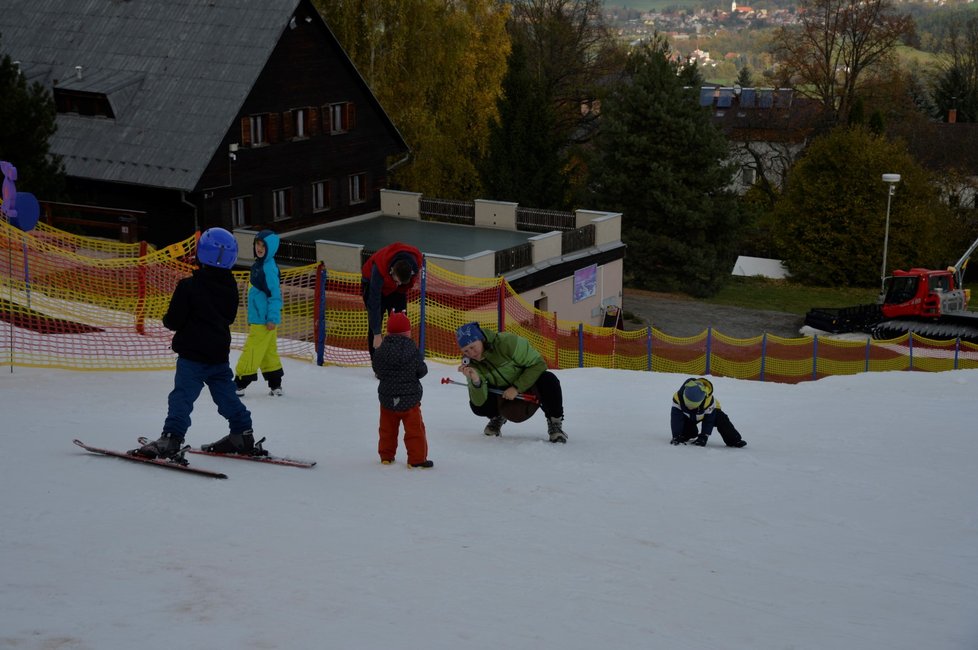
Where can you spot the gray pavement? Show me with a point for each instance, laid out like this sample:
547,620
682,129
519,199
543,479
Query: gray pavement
680,316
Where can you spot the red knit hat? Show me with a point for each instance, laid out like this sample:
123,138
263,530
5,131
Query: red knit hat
398,323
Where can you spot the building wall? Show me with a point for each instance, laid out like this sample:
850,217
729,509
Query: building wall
307,70
578,285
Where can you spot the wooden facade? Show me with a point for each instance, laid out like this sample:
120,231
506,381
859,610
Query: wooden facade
307,156
255,118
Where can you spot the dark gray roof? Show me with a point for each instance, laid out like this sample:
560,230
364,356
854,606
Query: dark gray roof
176,73
453,240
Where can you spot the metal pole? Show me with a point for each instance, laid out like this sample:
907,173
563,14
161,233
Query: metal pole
891,180
886,237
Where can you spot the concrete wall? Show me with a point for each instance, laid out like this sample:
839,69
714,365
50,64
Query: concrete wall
495,214
559,296
547,249
400,204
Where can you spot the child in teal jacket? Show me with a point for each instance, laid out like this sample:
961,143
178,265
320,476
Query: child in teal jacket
264,316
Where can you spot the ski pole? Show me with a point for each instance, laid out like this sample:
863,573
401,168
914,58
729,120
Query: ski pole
526,397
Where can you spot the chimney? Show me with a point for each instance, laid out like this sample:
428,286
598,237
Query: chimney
78,72
952,115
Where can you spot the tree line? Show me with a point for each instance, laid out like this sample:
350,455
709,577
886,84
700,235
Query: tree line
536,102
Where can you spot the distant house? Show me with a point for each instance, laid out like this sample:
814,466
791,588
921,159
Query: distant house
948,150
767,128
188,114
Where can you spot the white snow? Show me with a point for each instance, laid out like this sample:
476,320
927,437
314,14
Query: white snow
849,521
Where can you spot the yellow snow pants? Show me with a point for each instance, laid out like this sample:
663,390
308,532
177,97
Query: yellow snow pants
260,352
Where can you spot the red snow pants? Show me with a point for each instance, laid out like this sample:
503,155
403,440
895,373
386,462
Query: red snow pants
415,439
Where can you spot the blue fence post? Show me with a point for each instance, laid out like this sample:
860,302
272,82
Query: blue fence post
648,348
910,346
500,312
580,345
957,348
814,357
709,348
321,277
869,349
424,302
763,353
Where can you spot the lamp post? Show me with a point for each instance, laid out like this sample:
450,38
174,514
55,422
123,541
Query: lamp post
891,180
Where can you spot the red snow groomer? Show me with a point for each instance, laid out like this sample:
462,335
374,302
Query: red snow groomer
929,303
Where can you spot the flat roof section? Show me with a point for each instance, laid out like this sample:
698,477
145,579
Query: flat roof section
449,240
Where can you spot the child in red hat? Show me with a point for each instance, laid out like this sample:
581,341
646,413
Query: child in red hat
399,366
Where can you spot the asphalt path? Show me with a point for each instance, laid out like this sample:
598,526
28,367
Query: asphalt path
682,316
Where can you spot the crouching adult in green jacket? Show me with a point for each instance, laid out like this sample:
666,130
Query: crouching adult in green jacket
504,365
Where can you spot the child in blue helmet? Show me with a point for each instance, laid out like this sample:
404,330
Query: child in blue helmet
200,313
694,403
260,350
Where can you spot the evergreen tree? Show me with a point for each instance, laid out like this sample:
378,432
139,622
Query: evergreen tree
658,160
523,163
955,85
27,122
690,75
745,79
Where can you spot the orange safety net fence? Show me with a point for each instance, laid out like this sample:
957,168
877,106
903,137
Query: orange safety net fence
88,304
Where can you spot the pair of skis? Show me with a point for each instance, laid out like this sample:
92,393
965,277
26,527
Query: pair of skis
180,464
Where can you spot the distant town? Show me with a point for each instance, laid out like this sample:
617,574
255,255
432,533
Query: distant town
693,32
725,38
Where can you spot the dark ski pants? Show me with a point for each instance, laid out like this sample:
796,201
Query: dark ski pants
189,381
685,428
547,389
396,301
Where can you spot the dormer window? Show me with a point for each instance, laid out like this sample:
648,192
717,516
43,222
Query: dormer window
82,103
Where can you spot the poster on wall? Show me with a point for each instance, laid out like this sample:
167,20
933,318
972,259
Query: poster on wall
585,282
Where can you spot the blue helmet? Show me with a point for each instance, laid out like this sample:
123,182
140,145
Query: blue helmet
217,247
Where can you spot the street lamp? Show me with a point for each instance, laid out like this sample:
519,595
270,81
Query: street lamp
891,180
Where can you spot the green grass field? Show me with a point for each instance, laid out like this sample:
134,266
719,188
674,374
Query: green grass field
780,295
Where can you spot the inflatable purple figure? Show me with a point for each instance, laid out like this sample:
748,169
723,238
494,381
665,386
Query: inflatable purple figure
9,206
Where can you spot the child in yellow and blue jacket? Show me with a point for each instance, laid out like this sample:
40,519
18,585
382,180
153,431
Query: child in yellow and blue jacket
693,404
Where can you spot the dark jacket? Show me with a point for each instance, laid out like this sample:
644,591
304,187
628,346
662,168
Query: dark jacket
201,312
399,365
377,281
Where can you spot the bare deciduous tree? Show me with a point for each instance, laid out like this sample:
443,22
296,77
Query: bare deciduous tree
836,49
570,50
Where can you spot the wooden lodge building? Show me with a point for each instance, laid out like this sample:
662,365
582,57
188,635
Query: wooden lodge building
180,115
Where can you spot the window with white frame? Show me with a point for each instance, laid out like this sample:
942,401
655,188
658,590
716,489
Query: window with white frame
321,196
282,203
299,118
259,129
240,211
342,117
358,188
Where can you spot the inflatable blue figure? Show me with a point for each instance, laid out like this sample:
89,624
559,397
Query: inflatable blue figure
20,208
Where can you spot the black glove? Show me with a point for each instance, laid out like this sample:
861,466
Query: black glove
677,441
700,441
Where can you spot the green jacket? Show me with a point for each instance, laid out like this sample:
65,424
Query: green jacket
508,360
